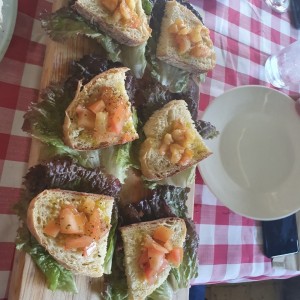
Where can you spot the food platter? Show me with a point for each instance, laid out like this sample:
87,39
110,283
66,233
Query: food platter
256,163
8,14
27,282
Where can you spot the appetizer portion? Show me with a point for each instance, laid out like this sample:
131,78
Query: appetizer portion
172,142
73,227
184,41
100,114
151,250
123,20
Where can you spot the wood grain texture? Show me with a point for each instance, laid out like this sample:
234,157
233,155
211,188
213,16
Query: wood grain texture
27,282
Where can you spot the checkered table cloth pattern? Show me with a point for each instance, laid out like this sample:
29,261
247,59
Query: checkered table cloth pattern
245,33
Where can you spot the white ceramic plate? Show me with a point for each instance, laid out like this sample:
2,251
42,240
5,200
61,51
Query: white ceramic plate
255,166
8,14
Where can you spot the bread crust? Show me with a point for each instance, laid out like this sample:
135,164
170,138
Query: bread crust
155,166
100,17
91,266
112,78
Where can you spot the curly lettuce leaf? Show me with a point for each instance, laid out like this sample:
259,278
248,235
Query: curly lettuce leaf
65,174
44,120
65,23
206,129
154,96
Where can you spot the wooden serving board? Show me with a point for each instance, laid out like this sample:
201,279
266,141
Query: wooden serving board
27,282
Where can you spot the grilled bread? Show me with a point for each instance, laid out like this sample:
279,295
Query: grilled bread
123,20
172,143
47,207
133,238
100,113
184,41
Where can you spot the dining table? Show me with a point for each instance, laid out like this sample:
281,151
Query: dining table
244,33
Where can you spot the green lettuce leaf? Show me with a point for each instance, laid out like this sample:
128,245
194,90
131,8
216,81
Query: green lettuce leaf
65,23
164,292
116,160
174,78
147,6
57,277
115,284
134,58
111,242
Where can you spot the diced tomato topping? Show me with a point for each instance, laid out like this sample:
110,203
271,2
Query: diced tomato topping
150,274
163,266
88,250
97,106
85,118
78,242
156,259
168,245
52,228
175,256
162,233
117,118
143,259
70,222
81,228
150,243
158,253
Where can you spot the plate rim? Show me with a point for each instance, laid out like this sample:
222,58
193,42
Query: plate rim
202,169
12,7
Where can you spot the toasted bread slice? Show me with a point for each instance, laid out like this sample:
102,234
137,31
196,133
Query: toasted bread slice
179,42
46,206
133,237
108,87
124,21
172,142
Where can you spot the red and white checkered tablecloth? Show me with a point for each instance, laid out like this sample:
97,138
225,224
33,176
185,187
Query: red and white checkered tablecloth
245,33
